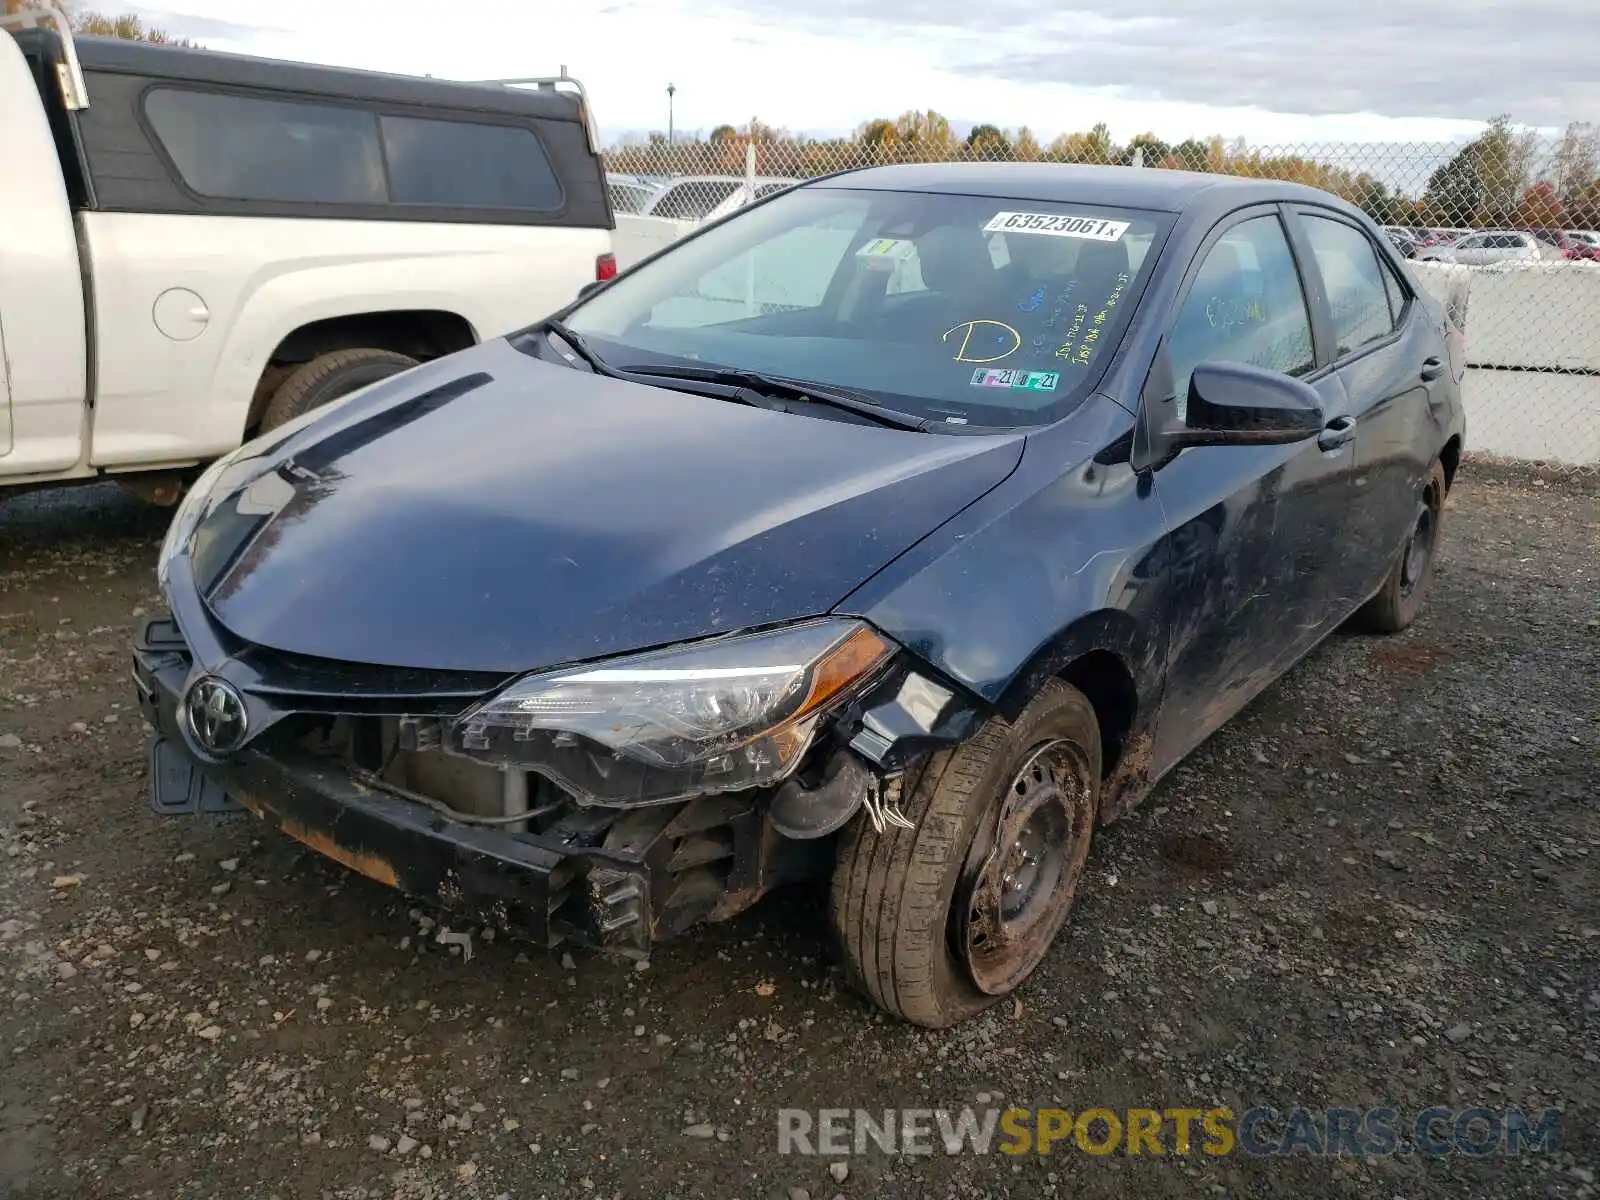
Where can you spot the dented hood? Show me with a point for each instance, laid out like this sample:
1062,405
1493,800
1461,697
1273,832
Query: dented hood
491,512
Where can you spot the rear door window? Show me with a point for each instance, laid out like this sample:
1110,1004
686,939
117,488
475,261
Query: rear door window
460,164
249,148
1354,282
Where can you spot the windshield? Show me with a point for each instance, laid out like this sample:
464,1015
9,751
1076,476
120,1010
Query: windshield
958,309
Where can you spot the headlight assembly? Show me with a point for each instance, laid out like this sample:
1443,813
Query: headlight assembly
718,716
191,510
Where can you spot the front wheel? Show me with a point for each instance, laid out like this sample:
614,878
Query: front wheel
942,920
1400,598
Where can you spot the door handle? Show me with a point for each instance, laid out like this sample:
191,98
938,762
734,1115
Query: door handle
1432,368
1338,432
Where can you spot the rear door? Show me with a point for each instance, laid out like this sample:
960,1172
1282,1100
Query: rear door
1387,355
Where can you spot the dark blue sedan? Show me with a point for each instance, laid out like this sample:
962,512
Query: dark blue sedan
900,529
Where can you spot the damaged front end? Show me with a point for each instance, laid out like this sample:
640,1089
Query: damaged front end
610,805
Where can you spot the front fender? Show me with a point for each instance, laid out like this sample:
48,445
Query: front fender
1061,558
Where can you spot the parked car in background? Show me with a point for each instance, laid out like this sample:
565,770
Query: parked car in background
1557,240
1488,247
1585,243
196,247
761,186
1418,234
707,197
1402,240
773,560
631,193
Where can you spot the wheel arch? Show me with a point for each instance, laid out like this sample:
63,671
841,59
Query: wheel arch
1108,657
1450,459
421,333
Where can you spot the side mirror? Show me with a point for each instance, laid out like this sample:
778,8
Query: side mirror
1235,404
1228,404
590,288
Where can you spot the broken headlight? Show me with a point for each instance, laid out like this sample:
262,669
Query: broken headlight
716,716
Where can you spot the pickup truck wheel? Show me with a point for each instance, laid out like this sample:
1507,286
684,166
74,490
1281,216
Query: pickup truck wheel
942,920
327,377
1400,599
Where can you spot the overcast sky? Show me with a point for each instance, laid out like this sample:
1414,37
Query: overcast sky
1274,71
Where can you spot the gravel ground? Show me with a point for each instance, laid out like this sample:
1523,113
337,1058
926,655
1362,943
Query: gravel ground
1378,886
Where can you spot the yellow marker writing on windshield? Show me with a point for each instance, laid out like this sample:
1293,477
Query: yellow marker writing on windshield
996,336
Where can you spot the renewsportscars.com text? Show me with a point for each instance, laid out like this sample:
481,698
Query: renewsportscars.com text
1255,1132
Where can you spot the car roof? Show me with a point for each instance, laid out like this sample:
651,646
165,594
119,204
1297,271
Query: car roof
1118,187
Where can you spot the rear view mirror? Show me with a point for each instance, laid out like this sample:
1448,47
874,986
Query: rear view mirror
1236,404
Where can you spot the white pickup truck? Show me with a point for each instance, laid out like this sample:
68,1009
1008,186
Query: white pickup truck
196,246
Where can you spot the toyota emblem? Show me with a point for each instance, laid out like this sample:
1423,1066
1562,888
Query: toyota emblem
216,716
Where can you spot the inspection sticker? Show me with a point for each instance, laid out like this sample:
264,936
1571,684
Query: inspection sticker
886,251
1022,381
1096,229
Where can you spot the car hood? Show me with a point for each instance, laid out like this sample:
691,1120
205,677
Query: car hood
492,512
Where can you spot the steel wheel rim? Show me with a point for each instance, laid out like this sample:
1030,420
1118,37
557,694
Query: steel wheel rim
1419,546
1020,877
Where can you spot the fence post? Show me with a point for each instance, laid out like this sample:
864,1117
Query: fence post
750,195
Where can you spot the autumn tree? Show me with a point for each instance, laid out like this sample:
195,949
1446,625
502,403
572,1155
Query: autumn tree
1484,181
1540,207
1026,148
126,26
1151,150
988,142
1575,163
96,24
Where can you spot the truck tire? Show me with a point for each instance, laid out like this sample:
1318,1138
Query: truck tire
942,920
327,377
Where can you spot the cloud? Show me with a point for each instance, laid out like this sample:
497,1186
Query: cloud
1403,58
196,27
1171,66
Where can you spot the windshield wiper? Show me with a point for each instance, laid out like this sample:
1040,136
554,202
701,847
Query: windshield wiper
584,351
717,389
788,389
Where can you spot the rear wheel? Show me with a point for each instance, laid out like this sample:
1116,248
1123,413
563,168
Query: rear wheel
326,378
1400,599
940,921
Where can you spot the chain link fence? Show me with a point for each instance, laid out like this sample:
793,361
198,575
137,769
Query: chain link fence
1505,227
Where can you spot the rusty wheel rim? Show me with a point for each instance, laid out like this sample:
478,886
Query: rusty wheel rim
1021,875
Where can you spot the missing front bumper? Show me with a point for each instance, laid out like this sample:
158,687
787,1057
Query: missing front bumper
618,880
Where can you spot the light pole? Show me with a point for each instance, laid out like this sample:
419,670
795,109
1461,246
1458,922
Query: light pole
671,91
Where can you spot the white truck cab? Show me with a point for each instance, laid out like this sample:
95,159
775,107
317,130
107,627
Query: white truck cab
198,246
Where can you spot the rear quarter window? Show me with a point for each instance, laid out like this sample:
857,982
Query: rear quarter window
467,165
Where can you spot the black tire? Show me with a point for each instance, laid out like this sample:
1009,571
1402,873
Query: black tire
1401,597
905,902
327,377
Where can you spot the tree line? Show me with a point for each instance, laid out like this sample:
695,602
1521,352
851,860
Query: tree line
91,23
1504,176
